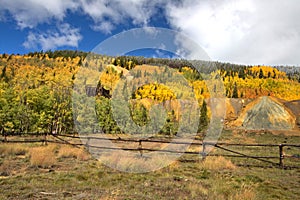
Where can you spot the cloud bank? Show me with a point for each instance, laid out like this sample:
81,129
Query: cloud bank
242,31
239,31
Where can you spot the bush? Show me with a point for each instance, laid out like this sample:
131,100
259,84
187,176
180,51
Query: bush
72,152
43,156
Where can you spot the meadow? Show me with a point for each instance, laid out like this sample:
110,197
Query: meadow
60,171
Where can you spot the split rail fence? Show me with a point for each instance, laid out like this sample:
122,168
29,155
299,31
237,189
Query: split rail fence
286,156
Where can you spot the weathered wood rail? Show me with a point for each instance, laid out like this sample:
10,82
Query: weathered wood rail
280,156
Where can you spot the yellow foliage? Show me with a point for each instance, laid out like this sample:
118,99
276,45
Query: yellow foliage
109,78
155,91
267,72
201,90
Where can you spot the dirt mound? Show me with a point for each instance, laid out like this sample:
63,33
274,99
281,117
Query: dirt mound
294,106
234,107
265,113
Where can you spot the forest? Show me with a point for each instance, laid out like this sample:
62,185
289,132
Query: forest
36,89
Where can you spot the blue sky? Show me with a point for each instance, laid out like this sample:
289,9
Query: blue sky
237,31
85,36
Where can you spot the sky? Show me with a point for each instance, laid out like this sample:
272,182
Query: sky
237,31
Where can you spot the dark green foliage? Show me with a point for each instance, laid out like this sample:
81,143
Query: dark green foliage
191,75
242,73
80,62
235,91
203,121
242,94
261,74
64,54
36,110
274,72
127,62
139,114
4,75
105,116
171,125
8,110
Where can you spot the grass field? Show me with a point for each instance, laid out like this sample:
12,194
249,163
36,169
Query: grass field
33,171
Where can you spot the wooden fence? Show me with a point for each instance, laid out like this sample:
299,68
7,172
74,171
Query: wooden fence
267,155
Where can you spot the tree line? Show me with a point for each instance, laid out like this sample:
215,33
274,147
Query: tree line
36,89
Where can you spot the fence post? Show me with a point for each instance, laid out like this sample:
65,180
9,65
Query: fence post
45,138
281,155
87,142
140,148
203,151
5,136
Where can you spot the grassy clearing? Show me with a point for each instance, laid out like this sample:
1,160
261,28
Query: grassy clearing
92,180
69,176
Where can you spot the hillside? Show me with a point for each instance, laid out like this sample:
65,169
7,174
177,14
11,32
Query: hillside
35,90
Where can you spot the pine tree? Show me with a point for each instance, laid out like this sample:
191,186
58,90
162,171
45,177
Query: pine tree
235,92
203,122
242,74
261,74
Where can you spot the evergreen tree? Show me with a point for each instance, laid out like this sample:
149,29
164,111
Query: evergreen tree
203,122
235,92
242,73
261,74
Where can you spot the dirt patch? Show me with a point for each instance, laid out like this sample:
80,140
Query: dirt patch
266,113
294,106
234,107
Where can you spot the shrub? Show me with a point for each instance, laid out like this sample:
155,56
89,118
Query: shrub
72,152
43,156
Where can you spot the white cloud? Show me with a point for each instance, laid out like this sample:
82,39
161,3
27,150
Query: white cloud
105,14
98,9
138,12
105,27
189,49
64,36
30,13
242,31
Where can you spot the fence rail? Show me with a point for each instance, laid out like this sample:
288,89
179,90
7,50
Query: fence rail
226,147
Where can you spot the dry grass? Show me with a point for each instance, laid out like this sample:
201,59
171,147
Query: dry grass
5,168
13,149
217,163
134,162
43,156
246,192
197,190
214,178
221,189
72,152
